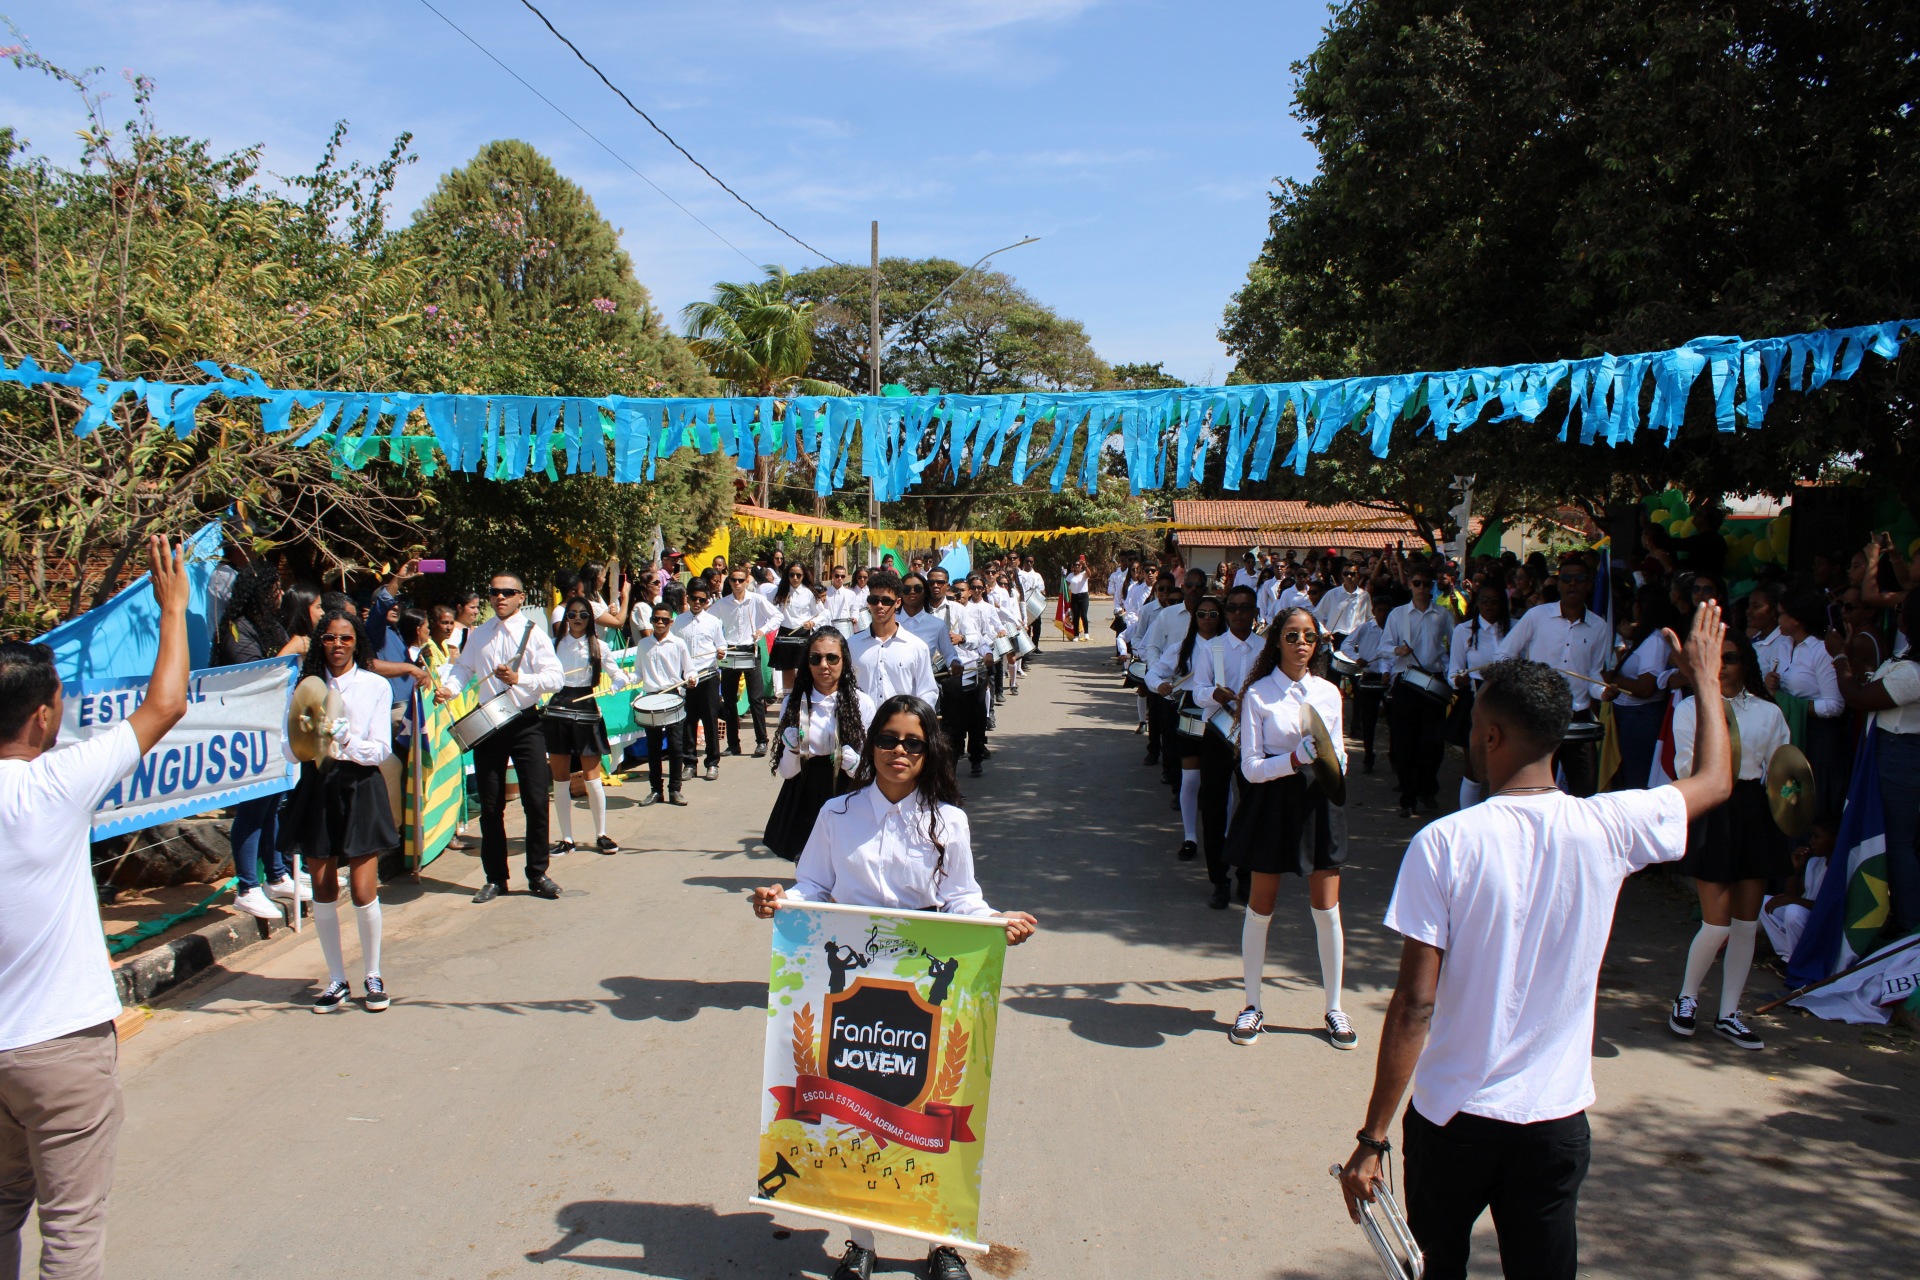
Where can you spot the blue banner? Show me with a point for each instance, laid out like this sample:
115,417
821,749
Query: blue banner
121,638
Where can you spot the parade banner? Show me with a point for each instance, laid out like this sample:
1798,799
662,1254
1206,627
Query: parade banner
437,781
879,1057
230,746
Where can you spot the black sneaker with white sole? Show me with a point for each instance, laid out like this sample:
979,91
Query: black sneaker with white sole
1340,1031
1246,1027
330,1000
377,997
1735,1028
1684,1016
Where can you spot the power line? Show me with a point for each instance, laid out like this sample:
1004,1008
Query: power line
669,137
583,129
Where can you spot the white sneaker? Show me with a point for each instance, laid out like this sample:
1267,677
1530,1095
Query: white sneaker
256,904
288,889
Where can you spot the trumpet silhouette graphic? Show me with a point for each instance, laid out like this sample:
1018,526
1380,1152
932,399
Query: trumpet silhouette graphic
774,1179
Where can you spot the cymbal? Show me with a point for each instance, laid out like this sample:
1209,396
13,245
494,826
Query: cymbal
1790,791
310,717
1326,761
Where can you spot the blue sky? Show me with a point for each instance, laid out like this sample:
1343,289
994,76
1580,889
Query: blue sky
1137,138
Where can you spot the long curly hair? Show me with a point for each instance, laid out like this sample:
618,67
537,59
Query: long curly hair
846,702
937,785
1268,658
255,589
315,663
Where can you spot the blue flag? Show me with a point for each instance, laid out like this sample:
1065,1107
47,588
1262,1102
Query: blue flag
957,561
1851,908
121,638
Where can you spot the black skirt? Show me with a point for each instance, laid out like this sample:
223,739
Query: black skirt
569,730
1460,718
788,656
1285,827
1738,840
798,804
339,811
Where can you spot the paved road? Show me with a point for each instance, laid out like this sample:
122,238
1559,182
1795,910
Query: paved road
566,1089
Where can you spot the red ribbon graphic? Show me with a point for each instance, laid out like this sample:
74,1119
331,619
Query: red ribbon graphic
809,1098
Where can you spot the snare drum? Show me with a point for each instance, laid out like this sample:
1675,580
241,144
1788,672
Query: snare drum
939,662
1023,644
1002,646
1344,665
789,649
1584,731
1374,680
471,729
743,657
1425,684
1035,607
657,710
1226,724
1192,720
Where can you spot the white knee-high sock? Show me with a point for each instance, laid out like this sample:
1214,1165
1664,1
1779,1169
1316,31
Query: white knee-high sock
326,922
368,918
1471,792
597,803
1140,701
1706,945
1190,804
563,809
1739,962
1253,951
1332,940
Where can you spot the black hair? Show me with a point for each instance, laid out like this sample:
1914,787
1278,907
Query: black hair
1805,607
1268,659
846,700
785,589
252,600
461,599
336,602
296,606
518,581
1193,629
593,637
1750,677
413,626
566,582
593,577
887,580
674,596
1530,698
316,661
1657,613
28,682
937,785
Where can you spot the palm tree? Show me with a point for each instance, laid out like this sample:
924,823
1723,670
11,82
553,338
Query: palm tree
760,341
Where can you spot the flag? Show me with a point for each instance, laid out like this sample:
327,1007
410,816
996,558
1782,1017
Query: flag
1852,904
1062,615
957,560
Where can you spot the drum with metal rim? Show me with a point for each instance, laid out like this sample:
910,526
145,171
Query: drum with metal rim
657,710
1226,724
1035,607
479,724
1346,665
1002,646
1023,644
1192,719
1137,670
1425,684
743,657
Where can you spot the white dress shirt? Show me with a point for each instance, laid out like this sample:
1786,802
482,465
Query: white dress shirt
1222,663
821,735
1428,633
901,663
973,646
1246,578
576,664
705,637
493,644
1653,657
801,607
1032,584
1368,643
1763,731
1544,635
1342,611
868,852
744,621
367,736
1267,599
1273,734
1473,648
1773,649
1808,673
1295,596
932,630
659,665
1116,587
841,606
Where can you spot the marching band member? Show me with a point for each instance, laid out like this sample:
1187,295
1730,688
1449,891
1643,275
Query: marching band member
1165,592
1418,634
339,811
987,619
900,841
823,728
1013,620
1733,849
1033,587
887,657
1220,673
1476,642
745,615
706,639
1574,641
1639,687
839,606
963,710
1172,677
1117,583
1345,607
799,612
1167,630
510,655
1285,823
661,664
573,725
1368,644
1076,587
1248,574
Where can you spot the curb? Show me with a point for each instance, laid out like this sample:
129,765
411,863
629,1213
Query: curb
148,974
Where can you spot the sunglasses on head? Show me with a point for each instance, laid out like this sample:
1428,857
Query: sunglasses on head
896,742
823,659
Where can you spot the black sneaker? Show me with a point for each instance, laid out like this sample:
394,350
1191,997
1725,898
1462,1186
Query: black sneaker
1218,898
1340,1031
1189,851
1734,1028
605,844
1246,1027
946,1264
855,1264
330,1000
560,848
1682,1020
377,997
977,770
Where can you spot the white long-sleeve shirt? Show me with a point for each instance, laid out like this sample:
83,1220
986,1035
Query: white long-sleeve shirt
1169,629
901,663
840,606
1429,634
800,607
704,635
1763,731
1219,663
1032,584
1773,649
576,664
1273,726
744,621
821,733
659,665
368,702
1342,611
1544,635
493,644
1473,648
1808,673
1116,587
932,630
1368,643
866,851
1653,657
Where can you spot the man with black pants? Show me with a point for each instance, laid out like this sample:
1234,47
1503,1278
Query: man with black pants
745,615
963,694
1227,661
1418,635
706,641
1032,587
510,654
1504,909
1574,641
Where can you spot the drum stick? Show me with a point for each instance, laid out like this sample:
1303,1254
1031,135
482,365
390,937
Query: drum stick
1575,675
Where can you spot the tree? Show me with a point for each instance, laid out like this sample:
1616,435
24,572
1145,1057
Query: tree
1501,181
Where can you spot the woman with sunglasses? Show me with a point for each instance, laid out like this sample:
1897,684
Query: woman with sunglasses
899,841
1734,849
576,733
1285,823
1175,676
1476,642
823,726
339,810
799,611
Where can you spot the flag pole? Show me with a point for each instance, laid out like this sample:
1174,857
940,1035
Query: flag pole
1853,968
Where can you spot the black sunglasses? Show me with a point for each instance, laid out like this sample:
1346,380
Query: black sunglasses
881,602
912,589
895,742
503,591
823,659
1240,606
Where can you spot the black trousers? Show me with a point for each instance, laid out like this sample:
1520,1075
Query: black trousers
1419,727
1033,633
1219,763
1528,1174
703,709
663,747
1366,709
1580,761
963,713
756,704
1163,717
521,741
1077,612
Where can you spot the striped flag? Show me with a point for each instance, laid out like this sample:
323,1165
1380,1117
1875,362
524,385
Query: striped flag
1852,905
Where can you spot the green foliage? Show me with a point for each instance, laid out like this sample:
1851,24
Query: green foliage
757,338
1503,181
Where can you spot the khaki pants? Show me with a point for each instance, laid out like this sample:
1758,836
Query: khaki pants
60,1118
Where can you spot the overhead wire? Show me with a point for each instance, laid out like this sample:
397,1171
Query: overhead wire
590,134
654,125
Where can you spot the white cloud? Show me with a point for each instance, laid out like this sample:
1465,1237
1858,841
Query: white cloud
927,24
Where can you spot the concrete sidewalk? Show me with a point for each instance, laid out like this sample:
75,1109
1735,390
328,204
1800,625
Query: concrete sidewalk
569,1088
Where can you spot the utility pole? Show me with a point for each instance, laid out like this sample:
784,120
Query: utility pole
873,388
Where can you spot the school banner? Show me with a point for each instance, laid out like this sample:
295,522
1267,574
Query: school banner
230,746
437,790
879,1057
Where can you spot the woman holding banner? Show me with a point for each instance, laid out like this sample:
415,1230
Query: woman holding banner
575,731
823,728
899,842
339,812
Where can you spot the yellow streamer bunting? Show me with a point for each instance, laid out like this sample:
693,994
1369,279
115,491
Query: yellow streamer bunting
916,539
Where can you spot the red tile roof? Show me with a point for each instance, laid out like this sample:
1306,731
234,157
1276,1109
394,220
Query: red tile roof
1285,524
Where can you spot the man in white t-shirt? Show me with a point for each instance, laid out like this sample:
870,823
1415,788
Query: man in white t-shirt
59,1084
1504,910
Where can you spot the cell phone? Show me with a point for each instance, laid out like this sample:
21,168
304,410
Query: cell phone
433,566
